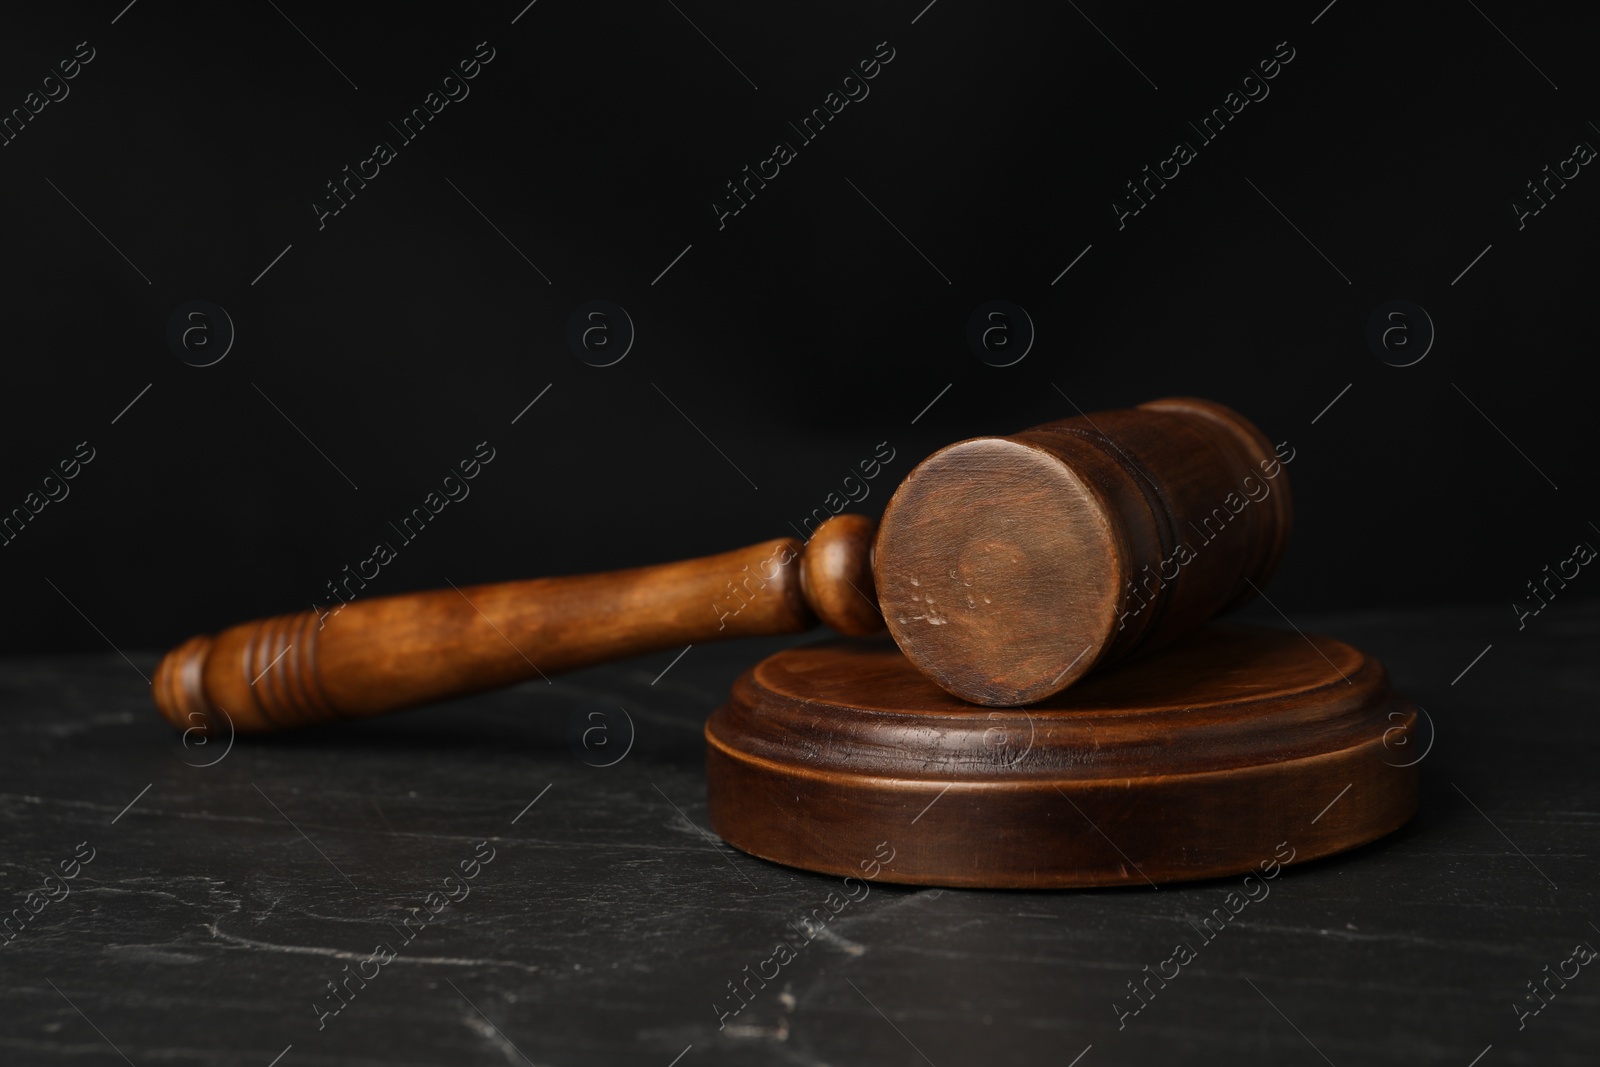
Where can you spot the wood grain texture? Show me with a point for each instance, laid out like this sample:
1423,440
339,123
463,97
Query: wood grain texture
1009,567
1194,762
394,652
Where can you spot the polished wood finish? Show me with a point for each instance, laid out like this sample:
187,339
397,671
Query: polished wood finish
1208,758
836,575
1009,567
392,652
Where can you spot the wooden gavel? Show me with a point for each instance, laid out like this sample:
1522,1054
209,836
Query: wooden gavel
1004,567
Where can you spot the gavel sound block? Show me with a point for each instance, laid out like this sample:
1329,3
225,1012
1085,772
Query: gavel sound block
1006,569
1197,761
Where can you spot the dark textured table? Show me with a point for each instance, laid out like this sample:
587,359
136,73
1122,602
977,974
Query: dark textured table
593,920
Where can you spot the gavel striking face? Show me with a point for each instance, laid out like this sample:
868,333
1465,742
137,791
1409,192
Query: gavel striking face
1005,568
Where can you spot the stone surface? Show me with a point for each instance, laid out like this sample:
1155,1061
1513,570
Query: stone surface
607,925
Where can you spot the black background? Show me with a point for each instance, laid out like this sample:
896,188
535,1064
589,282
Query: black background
803,333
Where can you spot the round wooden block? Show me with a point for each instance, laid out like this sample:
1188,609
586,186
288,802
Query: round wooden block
1215,756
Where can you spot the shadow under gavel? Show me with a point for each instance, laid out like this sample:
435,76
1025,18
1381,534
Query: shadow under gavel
1005,568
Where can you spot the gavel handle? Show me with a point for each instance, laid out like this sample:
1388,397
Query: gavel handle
381,654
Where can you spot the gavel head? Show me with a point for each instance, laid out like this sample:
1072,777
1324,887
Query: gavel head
1008,567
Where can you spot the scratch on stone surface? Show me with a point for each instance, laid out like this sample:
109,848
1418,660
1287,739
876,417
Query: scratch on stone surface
308,913
251,820
260,917
1382,937
829,934
748,1031
54,1050
547,844
61,729
484,1029
233,940
153,954
130,888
